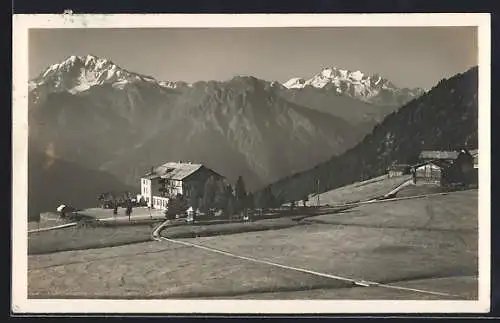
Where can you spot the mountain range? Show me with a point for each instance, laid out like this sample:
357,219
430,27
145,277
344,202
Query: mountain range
372,89
94,114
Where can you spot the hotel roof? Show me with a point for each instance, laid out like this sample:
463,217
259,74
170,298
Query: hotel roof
173,170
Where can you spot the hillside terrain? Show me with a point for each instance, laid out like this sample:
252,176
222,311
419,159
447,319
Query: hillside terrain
445,118
437,235
54,181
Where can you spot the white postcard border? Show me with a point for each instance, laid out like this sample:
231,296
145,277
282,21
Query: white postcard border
21,25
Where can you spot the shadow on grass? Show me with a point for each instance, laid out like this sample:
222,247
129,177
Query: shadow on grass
42,250
319,284
194,231
396,227
88,237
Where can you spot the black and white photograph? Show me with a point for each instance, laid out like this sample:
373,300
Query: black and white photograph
251,163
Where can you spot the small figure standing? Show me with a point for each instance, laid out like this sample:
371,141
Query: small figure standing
414,175
128,211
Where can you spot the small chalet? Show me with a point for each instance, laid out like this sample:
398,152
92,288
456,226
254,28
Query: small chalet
445,167
170,179
475,155
398,170
429,171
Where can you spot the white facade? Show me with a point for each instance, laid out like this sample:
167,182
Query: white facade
428,173
173,187
146,190
160,202
170,179
150,190
476,160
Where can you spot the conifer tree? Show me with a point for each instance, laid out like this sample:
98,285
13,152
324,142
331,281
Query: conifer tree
241,193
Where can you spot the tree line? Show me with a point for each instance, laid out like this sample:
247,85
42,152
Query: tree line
217,195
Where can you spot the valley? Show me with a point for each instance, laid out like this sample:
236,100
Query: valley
90,112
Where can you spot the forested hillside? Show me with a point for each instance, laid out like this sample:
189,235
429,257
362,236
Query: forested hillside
444,118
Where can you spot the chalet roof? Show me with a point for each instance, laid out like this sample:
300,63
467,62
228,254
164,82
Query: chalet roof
441,163
438,154
172,170
474,152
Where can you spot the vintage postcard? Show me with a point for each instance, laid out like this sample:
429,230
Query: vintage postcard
249,163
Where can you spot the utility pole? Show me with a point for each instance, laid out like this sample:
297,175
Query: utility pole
317,193
151,196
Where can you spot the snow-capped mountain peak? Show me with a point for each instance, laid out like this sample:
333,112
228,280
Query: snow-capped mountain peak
79,73
174,85
355,84
295,83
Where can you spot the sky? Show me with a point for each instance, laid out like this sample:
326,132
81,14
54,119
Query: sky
408,56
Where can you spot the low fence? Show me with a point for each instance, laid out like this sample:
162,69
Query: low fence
428,179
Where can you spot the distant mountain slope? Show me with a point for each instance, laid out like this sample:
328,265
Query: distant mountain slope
444,118
94,126
101,116
241,127
357,112
52,181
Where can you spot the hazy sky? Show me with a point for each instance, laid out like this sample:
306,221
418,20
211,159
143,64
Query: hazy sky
408,56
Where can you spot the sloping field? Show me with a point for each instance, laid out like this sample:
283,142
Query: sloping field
361,191
463,285
85,238
49,219
455,211
421,189
156,270
430,244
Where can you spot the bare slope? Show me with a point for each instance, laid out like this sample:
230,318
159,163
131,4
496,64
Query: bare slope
360,191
